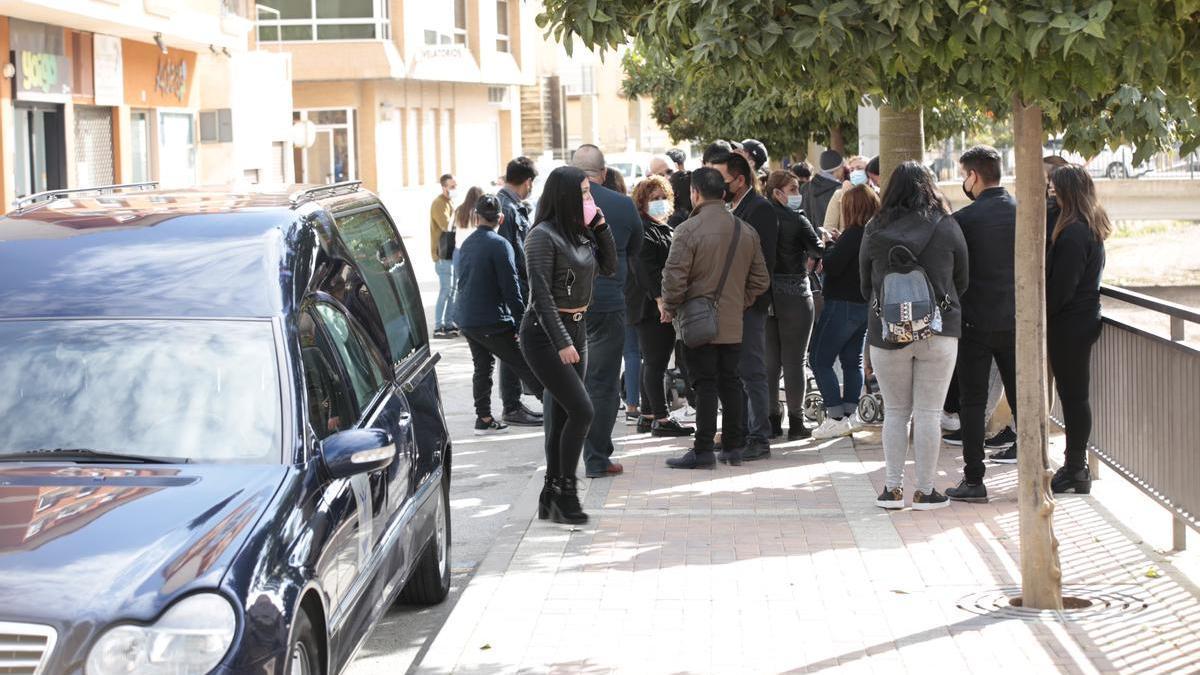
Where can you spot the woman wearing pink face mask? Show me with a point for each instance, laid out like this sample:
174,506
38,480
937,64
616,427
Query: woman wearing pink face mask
567,247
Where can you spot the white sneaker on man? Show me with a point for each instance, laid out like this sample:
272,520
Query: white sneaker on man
950,422
855,422
832,428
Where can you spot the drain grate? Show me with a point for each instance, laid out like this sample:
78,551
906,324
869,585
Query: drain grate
1090,602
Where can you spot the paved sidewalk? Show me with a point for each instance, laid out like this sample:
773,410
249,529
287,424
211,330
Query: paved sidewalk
786,565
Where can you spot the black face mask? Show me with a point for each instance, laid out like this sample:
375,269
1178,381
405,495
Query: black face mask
970,195
730,195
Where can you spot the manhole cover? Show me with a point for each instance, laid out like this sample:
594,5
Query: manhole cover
1082,602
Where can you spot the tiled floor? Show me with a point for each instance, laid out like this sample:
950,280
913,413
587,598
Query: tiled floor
786,565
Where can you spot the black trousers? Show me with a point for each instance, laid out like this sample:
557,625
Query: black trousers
487,345
714,373
567,410
976,351
1070,341
656,341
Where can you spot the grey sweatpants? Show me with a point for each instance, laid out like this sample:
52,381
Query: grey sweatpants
913,381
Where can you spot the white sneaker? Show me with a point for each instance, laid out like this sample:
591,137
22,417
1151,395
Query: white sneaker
855,422
685,414
950,422
832,428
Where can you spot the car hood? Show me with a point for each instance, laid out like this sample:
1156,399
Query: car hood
91,542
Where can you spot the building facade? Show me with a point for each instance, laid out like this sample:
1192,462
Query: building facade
396,93
98,92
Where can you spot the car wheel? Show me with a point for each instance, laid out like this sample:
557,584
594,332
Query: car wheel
304,657
1116,171
430,582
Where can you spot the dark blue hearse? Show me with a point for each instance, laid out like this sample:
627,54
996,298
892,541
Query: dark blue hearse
222,446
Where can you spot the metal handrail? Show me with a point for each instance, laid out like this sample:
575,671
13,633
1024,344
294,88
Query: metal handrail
334,189
1167,307
51,195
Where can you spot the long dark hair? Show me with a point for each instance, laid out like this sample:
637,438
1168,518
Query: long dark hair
911,189
1077,196
561,203
462,215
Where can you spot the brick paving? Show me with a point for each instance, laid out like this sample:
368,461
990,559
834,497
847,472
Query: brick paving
786,565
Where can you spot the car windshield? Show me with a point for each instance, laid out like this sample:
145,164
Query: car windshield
625,168
204,391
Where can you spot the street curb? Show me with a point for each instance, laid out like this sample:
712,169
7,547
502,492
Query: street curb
452,640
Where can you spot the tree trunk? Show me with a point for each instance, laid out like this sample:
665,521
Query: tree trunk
901,138
1041,575
837,139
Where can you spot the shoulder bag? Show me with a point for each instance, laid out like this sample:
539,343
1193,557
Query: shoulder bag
697,321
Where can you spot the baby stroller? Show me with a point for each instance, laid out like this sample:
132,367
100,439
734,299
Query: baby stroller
870,404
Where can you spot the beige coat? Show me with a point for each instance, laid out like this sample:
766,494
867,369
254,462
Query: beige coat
697,258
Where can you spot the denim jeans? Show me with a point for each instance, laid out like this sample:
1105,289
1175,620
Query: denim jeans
913,381
606,345
633,367
752,368
443,311
840,334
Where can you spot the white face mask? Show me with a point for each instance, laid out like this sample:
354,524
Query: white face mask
454,195
659,208
794,201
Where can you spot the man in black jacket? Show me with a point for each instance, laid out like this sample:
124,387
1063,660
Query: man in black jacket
518,183
755,210
818,191
489,309
989,310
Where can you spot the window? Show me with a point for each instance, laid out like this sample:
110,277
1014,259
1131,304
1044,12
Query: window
361,364
446,23
139,132
329,409
383,263
216,126
331,158
176,149
502,41
301,20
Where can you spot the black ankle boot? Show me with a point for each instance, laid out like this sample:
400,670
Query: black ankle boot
797,430
545,497
776,426
564,505
1078,481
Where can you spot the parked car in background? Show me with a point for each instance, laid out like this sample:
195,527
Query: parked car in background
1109,163
222,445
634,166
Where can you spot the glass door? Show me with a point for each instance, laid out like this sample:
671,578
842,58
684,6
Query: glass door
139,143
40,152
176,149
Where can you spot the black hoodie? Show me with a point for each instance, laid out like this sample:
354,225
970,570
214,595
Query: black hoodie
817,193
944,260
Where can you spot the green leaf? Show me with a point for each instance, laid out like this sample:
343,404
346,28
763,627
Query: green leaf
1034,16
1000,16
1095,28
772,28
1033,38
954,4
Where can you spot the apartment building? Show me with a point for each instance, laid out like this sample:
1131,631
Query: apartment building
98,92
396,93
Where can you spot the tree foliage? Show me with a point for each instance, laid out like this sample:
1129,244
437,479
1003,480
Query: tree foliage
1102,71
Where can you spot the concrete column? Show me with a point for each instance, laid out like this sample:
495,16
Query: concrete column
589,113
868,131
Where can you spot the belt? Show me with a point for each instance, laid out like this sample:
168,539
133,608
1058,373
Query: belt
574,316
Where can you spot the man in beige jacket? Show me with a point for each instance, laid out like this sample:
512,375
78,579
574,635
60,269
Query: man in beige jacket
693,269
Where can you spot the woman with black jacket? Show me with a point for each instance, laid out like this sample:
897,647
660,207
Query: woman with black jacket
656,339
1073,268
842,329
569,245
913,376
790,322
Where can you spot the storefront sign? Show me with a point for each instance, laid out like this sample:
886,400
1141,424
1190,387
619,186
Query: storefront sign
172,77
108,70
43,72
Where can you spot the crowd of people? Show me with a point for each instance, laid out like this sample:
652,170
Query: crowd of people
743,277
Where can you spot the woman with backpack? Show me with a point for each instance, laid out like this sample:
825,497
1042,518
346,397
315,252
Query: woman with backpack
913,267
1074,267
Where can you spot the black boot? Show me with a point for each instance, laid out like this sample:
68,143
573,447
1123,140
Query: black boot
797,430
1078,481
776,426
545,497
564,506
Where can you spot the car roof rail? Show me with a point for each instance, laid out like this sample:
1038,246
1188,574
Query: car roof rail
322,191
51,195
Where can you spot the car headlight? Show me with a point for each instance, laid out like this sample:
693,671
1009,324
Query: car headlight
191,638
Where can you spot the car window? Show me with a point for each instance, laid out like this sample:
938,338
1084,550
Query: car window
381,258
329,400
360,364
204,390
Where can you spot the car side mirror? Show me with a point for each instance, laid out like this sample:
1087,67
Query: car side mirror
355,451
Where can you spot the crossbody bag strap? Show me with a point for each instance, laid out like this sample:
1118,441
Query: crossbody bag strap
737,234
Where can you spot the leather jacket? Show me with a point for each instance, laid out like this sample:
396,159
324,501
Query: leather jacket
562,272
797,242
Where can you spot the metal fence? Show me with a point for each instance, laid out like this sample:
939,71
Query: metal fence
1145,395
